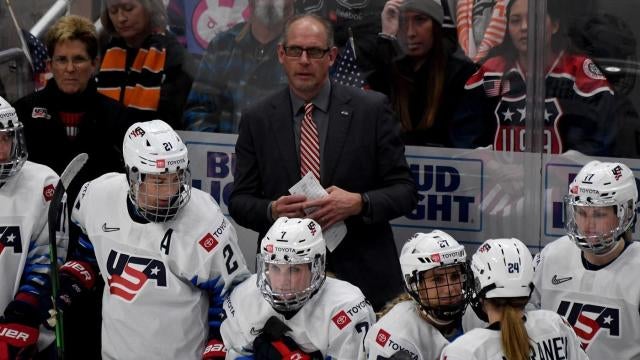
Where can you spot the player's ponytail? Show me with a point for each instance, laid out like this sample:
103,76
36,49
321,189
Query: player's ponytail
513,333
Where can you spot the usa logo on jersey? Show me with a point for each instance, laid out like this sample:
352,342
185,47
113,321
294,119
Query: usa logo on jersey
590,321
510,135
128,274
10,237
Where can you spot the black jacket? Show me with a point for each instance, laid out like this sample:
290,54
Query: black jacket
100,131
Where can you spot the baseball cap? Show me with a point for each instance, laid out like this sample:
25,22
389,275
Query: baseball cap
433,8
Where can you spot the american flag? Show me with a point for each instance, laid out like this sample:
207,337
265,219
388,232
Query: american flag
346,70
39,57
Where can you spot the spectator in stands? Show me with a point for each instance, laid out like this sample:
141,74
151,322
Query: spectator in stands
610,42
578,100
144,67
480,26
69,117
239,67
419,71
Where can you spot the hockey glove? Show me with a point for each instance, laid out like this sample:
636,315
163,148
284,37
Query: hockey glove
272,344
19,331
76,278
399,355
215,350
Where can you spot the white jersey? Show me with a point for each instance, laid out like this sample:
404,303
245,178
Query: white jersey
24,231
402,328
152,307
551,338
334,321
602,305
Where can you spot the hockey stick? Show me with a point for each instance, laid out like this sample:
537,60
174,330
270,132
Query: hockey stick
55,211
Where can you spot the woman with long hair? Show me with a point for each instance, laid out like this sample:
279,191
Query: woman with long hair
578,97
422,321
415,66
503,274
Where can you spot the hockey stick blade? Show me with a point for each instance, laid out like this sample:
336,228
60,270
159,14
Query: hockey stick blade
55,209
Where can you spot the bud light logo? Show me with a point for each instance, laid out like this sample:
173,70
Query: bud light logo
450,192
214,172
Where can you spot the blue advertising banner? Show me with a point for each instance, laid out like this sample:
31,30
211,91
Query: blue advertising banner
473,195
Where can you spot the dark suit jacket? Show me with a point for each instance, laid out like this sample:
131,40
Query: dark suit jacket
363,153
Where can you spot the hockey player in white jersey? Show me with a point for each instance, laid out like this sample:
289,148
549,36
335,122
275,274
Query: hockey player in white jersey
161,247
289,309
503,273
423,321
588,276
26,190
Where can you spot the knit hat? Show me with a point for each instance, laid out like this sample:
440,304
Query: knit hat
433,8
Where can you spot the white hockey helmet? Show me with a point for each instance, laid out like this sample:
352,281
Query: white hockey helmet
426,252
502,268
601,184
153,148
289,244
13,148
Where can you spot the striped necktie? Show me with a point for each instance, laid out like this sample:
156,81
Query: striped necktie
309,144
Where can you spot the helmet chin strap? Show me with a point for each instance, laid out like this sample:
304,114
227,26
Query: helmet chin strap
611,249
432,318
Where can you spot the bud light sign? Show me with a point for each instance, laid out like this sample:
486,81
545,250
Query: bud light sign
450,191
212,161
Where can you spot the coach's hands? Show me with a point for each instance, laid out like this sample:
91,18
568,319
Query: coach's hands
290,206
338,205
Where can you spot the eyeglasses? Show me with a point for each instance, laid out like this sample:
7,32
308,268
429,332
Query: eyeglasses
76,61
313,52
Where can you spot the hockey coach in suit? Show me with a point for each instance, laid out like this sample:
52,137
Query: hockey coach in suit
350,142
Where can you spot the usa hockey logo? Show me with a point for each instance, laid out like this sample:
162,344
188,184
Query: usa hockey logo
128,274
137,132
511,118
382,337
341,319
617,172
10,237
312,228
590,321
484,248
